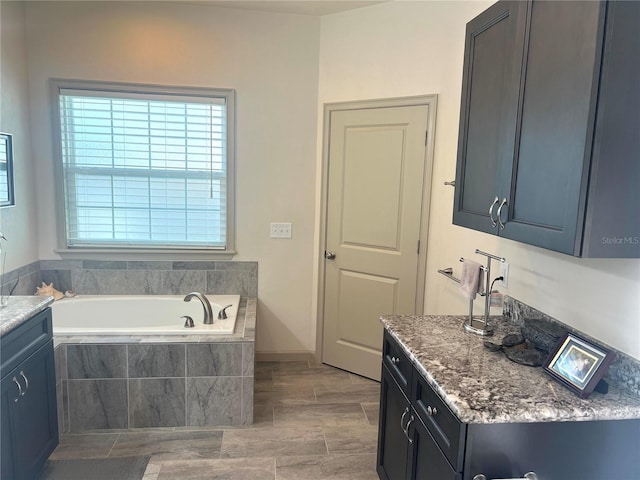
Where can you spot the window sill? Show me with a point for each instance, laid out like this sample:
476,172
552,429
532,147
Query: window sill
173,254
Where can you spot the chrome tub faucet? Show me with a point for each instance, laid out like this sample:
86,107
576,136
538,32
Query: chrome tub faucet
208,311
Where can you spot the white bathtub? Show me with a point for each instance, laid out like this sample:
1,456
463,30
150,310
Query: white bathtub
140,315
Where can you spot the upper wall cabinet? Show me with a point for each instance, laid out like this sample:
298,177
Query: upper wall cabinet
549,143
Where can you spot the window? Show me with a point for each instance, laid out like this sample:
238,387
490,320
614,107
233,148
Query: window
145,167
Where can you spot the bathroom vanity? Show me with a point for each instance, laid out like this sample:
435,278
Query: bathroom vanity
452,410
28,404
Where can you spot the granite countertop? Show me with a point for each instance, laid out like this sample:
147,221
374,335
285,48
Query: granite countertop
19,309
480,386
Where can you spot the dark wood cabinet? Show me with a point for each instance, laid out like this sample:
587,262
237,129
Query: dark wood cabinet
548,143
28,401
419,438
406,449
426,461
393,445
406,446
492,59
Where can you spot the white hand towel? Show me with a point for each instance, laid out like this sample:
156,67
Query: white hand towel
471,281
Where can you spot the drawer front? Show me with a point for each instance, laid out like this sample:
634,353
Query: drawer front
443,425
18,344
397,362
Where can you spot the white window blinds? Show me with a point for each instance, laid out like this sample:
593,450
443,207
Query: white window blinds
144,170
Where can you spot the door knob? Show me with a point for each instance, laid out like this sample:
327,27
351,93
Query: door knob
329,255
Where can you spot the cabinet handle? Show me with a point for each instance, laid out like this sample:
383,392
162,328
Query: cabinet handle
527,476
26,383
431,411
19,390
504,202
406,410
495,202
395,360
406,432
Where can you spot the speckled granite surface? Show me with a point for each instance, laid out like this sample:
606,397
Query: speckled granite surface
484,387
19,309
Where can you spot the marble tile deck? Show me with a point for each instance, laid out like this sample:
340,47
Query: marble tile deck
311,422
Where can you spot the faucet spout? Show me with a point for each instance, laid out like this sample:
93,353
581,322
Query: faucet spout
208,311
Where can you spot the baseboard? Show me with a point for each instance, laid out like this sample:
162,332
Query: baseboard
299,356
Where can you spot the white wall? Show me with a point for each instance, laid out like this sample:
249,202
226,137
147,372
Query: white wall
270,59
18,223
284,68
412,48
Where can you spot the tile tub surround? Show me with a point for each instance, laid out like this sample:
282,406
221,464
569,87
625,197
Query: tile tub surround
92,277
22,281
151,381
480,386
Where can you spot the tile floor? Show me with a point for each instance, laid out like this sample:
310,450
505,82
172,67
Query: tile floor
311,422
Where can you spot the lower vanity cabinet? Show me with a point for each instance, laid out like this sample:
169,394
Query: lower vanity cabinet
406,449
28,402
419,438
426,461
393,443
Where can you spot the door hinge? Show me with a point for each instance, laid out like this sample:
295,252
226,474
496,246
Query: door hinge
426,136
418,247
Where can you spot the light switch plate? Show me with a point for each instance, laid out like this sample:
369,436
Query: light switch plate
280,230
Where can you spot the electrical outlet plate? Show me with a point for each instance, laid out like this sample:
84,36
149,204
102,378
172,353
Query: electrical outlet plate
280,230
504,273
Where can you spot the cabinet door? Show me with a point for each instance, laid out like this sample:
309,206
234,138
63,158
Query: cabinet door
9,394
392,441
426,461
493,56
612,224
35,413
559,85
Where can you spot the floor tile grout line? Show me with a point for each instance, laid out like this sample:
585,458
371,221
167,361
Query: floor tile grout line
326,444
113,445
365,413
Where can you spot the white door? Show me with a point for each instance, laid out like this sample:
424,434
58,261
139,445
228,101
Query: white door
374,208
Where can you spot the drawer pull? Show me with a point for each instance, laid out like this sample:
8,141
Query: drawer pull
406,410
19,390
26,383
431,411
406,432
395,360
527,476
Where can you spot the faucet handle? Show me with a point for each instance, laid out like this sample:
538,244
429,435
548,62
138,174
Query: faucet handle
222,314
188,322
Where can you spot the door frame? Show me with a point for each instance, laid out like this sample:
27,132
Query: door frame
431,102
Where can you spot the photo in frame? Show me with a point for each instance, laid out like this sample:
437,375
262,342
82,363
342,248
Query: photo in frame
578,364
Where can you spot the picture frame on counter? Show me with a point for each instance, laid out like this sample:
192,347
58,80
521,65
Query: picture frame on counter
579,364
